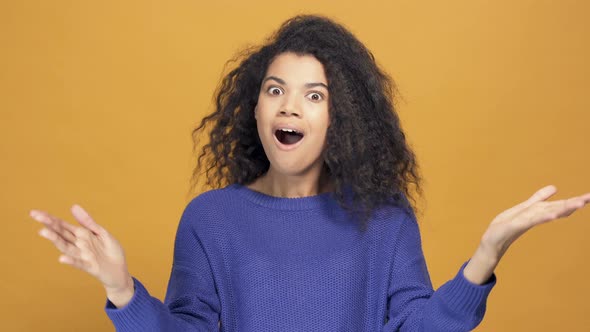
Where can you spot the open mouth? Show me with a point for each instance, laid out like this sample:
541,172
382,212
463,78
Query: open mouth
288,136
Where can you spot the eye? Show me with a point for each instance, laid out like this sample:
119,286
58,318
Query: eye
316,96
273,90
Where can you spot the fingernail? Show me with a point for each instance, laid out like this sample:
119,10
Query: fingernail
43,232
76,208
37,216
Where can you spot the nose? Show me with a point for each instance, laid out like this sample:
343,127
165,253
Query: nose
289,108
289,112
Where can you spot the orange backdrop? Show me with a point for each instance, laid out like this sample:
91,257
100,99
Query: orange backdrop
98,98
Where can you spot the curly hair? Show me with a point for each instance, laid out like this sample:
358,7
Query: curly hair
367,158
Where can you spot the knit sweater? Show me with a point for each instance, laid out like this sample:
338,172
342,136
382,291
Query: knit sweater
247,261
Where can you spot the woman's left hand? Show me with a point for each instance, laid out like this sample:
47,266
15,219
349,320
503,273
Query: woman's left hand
512,223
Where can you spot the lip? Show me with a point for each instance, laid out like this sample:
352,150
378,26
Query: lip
287,126
285,147
282,146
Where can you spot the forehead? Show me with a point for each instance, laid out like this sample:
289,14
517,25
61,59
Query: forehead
297,68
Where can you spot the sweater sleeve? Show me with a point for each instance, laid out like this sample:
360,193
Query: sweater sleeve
413,305
191,303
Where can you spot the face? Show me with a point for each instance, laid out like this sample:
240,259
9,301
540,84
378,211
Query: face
292,114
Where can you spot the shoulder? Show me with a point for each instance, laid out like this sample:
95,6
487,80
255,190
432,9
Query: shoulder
209,206
393,218
213,199
398,210
205,197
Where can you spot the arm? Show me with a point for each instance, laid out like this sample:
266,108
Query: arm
458,305
191,302
511,224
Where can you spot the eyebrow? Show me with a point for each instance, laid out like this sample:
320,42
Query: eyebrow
307,85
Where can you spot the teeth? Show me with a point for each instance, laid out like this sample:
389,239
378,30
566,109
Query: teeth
288,130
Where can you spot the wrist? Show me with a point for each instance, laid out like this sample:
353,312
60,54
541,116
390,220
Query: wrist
121,296
125,287
487,254
481,266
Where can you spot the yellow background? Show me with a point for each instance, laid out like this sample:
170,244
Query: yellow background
98,98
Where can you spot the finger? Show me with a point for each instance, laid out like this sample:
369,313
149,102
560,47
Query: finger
83,237
548,211
542,194
74,261
85,220
60,243
59,226
568,206
585,198
64,229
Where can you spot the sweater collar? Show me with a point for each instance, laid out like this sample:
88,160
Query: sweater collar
283,203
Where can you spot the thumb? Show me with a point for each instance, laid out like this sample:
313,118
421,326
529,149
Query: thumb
542,194
85,220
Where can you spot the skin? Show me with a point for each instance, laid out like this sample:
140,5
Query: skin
296,173
293,91
511,224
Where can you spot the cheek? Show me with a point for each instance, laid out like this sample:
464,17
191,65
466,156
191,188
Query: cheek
263,122
322,122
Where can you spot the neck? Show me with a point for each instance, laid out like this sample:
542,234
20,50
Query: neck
291,186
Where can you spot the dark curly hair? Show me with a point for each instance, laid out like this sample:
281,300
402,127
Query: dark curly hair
367,158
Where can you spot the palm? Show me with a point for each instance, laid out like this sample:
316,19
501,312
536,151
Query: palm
88,247
108,256
512,223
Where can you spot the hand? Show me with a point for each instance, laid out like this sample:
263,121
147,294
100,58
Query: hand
89,248
512,223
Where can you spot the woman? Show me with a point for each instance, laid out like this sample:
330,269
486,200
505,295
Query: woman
309,227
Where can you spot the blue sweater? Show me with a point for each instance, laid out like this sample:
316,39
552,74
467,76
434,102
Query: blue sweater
253,262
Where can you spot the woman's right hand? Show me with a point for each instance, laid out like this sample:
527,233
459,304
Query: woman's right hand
90,248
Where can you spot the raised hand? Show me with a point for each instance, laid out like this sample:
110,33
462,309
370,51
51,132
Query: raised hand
90,248
513,223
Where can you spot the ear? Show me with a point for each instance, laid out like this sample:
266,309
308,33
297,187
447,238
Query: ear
255,113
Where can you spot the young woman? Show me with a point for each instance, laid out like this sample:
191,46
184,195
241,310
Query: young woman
309,227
